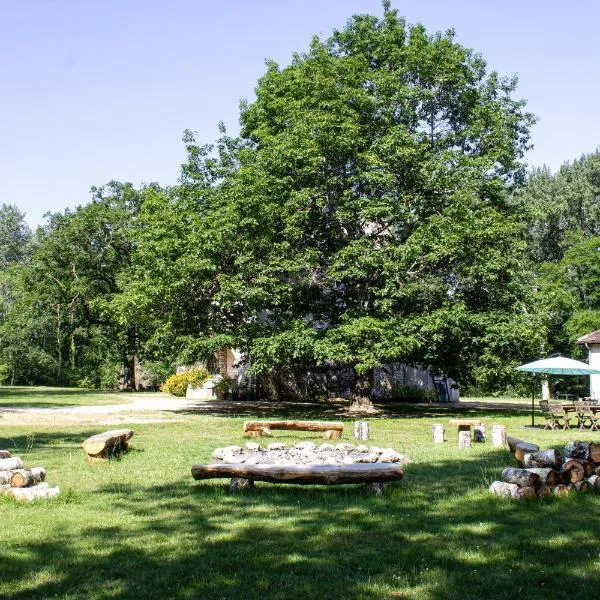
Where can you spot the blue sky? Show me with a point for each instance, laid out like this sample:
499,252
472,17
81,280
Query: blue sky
103,89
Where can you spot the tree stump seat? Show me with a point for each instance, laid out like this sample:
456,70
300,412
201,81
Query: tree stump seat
330,429
373,475
106,445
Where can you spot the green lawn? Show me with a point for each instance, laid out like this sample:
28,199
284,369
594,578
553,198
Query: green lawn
52,397
142,528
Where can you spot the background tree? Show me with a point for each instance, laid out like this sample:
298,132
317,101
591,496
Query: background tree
60,314
563,236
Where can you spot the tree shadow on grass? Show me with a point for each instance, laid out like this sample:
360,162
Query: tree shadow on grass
434,535
337,410
44,440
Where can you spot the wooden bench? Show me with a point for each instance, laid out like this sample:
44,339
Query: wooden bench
105,445
374,475
330,429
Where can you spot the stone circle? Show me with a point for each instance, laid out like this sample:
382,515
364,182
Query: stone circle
307,453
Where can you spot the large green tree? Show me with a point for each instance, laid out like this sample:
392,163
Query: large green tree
363,217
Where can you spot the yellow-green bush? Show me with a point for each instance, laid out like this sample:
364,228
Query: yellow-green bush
178,384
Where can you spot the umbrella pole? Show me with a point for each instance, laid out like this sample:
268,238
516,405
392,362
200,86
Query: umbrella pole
532,399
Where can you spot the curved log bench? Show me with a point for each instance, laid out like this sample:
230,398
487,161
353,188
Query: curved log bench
374,475
330,429
103,446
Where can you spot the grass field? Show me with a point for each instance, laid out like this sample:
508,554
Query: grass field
47,397
141,527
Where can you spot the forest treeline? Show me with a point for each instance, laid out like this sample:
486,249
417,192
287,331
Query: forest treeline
374,207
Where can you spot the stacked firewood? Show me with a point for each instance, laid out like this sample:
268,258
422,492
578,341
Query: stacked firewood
543,473
21,483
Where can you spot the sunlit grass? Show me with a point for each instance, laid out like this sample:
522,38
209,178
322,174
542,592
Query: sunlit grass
41,397
141,527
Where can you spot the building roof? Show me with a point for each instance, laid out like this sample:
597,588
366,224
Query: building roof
590,338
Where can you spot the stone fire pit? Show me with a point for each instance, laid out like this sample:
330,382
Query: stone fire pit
305,463
308,453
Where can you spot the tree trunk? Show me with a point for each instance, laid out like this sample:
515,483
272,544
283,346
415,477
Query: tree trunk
595,452
363,387
41,490
498,435
464,439
438,433
361,430
548,476
27,477
574,471
545,458
303,474
577,450
10,464
520,447
512,490
521,477
102,445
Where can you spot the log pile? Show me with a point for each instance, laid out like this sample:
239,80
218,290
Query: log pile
23,484
543,473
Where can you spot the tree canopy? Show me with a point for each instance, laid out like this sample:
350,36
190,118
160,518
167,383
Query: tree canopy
374,207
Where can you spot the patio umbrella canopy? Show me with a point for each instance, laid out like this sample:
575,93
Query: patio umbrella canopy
557,365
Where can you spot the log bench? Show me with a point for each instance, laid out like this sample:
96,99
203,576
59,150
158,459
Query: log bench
330,429
104,446
373,475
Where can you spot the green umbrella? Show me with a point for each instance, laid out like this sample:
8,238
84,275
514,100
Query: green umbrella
557,365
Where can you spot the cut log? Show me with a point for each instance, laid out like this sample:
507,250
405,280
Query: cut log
581,486
577,450
521,477
574,470
561,490
5,477
479,434
303,474
594,452
109,443
34,493
512,490
520,447
544,491
544,458
10,464
27,477
437,431
594,482
548,476
330,429
4,454
464,438
361,430
498,435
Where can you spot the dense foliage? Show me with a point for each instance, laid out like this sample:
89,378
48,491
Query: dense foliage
374,208
178,383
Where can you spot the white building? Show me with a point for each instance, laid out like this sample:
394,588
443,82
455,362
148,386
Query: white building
592,342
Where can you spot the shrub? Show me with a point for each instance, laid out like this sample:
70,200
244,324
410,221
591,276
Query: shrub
223,385
404,393
177,384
